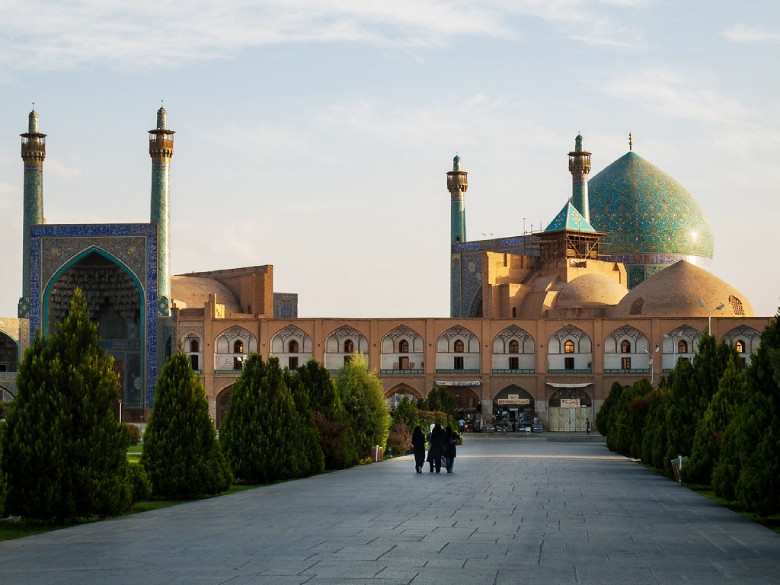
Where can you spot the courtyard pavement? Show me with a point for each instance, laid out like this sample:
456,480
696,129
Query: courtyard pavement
516,510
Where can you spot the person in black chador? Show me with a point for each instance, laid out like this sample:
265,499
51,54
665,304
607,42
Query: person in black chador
418,443
451,439
436,448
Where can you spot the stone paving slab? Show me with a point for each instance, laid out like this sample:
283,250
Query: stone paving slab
515,511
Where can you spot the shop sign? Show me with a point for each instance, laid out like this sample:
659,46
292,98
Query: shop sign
570,402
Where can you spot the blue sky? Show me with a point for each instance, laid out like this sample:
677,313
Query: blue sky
316,135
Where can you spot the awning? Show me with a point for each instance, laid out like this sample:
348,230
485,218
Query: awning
562,385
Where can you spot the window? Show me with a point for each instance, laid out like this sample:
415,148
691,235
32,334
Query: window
238,346
625,363
682,346
568,363
292,347
403,363
457,362
238,363
514,363
194,345
514,346
625,346
568,346
292,362
403,346
194,362
514,312
349,346
458,346
739,346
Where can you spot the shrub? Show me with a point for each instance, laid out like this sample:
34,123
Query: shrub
399,441
133,434
139,483
181,453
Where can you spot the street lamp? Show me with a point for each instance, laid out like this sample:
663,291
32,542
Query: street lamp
650,361
709,318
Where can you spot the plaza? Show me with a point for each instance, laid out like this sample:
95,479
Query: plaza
553,509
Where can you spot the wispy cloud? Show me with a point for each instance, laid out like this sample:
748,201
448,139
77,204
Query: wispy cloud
147,34
742,33
675,95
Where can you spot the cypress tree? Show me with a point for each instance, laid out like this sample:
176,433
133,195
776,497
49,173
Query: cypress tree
308,431
363,398
65,452
709,433
749,465
181,453
335,434
261,432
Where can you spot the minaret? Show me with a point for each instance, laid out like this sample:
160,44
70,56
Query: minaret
33,153
161,151
457,183
579,167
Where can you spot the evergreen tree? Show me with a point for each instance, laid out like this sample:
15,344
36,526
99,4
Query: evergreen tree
2,475
336,437
181,454
681,412
406,411
363,398
604,413
262,429
64,451
709,433
655,428
308,434
439,400
749,466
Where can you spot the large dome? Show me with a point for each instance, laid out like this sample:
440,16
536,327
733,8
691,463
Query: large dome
650,219
684,290
590,290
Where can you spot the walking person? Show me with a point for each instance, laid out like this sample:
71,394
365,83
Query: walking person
436,447
451,439
418,445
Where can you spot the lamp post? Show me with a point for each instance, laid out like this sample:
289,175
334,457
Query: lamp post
650,362
709,317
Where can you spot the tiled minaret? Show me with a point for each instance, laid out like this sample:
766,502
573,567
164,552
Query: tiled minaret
33,153
579,167
457,184
161,151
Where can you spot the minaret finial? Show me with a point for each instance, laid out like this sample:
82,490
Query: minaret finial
630,142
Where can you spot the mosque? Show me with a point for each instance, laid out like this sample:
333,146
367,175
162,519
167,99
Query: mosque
541,324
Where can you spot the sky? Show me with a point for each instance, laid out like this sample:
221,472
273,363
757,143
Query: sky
315,135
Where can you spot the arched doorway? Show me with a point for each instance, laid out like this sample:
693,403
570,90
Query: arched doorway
115,303
467,405
396,394
513,408
569,409
223,400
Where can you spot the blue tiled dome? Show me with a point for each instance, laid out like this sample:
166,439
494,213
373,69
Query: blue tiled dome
650,219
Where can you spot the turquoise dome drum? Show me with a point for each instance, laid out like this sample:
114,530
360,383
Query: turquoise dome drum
651,221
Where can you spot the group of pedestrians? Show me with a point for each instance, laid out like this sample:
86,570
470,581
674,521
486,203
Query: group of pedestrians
442,447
